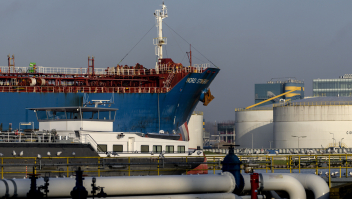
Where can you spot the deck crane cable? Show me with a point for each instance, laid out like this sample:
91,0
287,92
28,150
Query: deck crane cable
183,57
189,43
178,44
166,51
198,59
137,43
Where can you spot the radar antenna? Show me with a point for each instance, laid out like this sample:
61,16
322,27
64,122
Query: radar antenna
97,102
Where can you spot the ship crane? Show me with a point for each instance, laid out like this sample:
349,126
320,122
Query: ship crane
160,40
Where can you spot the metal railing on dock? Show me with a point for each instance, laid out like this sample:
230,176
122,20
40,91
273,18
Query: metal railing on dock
295,163
98,166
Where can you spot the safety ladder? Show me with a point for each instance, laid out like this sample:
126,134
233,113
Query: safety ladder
168,80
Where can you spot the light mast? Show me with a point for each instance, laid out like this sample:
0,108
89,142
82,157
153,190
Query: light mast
160,40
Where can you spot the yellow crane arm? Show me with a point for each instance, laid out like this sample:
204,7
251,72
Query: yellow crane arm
262,102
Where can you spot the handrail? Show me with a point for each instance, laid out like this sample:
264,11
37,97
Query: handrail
19,136
92,140
82,89
316,103
342,162
86,139
163,69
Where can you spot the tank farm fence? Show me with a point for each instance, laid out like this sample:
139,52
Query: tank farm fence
101,166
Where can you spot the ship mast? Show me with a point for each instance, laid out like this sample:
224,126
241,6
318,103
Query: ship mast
160,40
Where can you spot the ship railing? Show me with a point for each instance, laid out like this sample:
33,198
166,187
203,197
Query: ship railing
164,68
123,71
15,137
57,70
66,166
4,87
6,69
49,70
196,68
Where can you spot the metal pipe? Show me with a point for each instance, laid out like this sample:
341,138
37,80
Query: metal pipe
184,196
314,183
311,182
129,185
274,195
249,197
282,182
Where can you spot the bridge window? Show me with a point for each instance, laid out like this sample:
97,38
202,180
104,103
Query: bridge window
117,148
90,115
157,148
180,149
41,115
102,148
145,148
76,114
169,149
104,115
73,115
59,115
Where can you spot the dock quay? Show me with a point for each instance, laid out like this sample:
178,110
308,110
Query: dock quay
334,169
278,165
142,165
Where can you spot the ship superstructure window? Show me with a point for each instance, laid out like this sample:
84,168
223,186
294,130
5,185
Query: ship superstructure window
60,115
41,115
76,113
157,148
180,149
169,149
55,115
90,115
104,115
117,148
145,148
73,115
102,148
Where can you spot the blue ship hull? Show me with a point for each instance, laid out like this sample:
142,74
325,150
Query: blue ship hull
138,112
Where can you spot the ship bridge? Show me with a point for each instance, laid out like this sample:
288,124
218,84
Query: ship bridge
69,119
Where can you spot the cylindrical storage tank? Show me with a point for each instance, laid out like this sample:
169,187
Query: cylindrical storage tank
195,128
314,123
254,122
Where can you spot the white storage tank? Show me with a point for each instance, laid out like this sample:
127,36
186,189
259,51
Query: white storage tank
256,123
313,123
195,128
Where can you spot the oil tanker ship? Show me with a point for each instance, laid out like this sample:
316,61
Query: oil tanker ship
155,100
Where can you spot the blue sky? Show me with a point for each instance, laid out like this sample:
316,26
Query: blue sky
251,41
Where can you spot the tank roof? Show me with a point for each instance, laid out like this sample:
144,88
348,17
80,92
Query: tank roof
317,101
324,99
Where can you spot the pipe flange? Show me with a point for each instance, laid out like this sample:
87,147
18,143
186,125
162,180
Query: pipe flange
233,186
